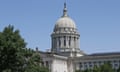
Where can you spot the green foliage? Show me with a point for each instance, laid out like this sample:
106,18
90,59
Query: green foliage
96,69
88,70
10,45
78,71
118,70
34,64
107,67
14,56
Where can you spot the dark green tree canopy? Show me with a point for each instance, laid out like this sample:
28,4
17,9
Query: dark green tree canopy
14,56
10,45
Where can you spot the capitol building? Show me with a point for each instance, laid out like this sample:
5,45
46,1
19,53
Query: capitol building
65,54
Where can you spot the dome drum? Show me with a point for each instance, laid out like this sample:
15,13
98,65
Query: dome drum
62,35
65,30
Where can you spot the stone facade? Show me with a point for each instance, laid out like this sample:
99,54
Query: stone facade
65,54
89,61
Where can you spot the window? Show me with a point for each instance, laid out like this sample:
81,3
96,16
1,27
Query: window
74,38
81,65
95,63
42,63
90,65
84,62
47,64
59,42
115,61
89,62
69,41
64,41
116,65
100,62
86,66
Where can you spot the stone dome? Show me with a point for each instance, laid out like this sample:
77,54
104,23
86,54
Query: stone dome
65,22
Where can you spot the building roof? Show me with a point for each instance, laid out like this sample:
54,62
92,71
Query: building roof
99,56
104,54
65,22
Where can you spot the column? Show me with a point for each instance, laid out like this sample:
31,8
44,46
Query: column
72,42
75,42
57,42
67,41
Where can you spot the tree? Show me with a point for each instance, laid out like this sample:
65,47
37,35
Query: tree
96,69
11,43
78,71
34,64
118,70
107,67
14,56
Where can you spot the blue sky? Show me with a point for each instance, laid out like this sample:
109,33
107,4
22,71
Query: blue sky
98,22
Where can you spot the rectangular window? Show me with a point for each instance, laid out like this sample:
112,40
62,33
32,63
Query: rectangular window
64,41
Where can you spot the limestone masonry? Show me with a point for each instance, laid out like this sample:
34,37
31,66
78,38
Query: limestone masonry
65,54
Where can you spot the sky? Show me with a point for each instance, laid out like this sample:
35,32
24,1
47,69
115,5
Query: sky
98,22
